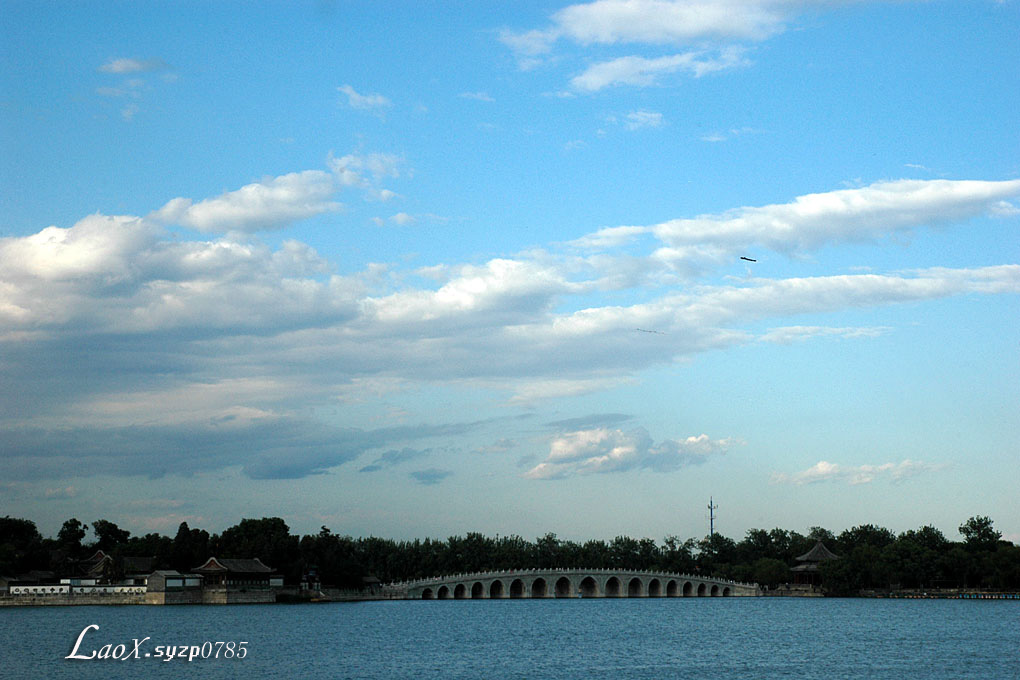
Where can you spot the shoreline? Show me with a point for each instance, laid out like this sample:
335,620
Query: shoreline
340,597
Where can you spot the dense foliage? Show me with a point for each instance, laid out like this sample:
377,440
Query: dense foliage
871,557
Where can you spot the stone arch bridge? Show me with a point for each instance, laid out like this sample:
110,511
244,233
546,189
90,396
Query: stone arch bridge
566,583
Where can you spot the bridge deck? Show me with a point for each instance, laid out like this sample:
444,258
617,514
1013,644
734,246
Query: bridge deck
565,583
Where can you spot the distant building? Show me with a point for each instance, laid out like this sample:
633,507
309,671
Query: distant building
806,573
32,578
168,580
136,570
235,581
238,573
166,586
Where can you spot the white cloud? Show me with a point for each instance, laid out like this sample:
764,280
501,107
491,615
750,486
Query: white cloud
353,168
127,65
403,219
642,72
59,493
122,274
669,22
375,103
368,172
635,120
729,134
534,391
477,96
655,22
604,450
789,334
784,297
98,246
814,220
270,204
507,288
610,237
132,87
234,331
824,471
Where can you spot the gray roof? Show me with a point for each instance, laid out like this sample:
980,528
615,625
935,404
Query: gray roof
242,566
819,553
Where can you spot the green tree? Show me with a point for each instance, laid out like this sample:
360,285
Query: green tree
268,539
717,555
978,534
927,537
547,552
21,547
769,572
677,555
109,535
190,548
865,534
70,536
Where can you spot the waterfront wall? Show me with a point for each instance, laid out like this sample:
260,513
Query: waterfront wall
228,596
64,599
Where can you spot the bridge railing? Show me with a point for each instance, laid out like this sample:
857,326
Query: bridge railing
482,575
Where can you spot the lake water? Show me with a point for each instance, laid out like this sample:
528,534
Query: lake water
708,638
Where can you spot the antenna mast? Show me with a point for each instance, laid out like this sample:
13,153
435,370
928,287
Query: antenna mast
711,517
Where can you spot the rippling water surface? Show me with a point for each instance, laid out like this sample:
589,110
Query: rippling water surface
711,639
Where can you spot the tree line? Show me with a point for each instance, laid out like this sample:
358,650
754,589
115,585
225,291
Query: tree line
871,557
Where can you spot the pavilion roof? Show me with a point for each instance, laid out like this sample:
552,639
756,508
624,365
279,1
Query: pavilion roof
819,553
241,566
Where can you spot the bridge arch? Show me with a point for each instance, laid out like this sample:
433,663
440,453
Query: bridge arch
548,583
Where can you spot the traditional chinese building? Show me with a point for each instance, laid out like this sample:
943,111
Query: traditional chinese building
250,573
238,580
806,573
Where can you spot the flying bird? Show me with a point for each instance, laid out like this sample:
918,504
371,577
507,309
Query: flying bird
747,258
646,331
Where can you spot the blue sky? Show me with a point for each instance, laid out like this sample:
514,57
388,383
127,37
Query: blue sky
418,269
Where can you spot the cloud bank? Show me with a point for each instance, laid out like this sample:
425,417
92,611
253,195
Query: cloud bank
824,471
134,349
725,26
602,450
